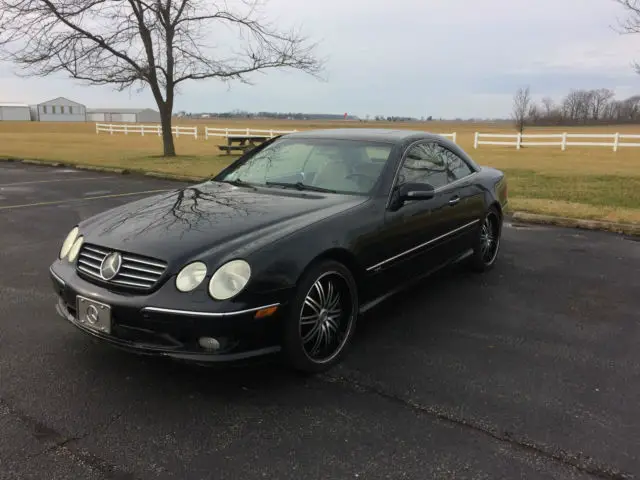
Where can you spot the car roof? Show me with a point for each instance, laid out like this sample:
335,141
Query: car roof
370,134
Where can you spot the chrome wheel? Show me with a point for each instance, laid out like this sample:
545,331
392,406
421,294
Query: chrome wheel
489,238
326,317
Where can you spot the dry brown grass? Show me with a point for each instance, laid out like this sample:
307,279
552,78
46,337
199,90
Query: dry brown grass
585,182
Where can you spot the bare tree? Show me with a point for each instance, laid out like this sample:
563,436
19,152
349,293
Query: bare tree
571,106
521,103
599,100
547,103
588,107
534,113
151,43
631,24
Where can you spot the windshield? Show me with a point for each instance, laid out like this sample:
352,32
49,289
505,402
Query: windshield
341,166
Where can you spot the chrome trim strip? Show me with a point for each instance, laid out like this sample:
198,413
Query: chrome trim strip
193,313
138,277
131,346
57,277
373,267
368,306
88,272
92,257
96,250
141,269
88,264
455,182
127,258
130,284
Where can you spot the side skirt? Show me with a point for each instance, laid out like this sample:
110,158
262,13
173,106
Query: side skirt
369,305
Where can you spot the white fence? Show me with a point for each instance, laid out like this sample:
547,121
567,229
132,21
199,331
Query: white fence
226,132
562,140
247,132
142,129
192,131
452,136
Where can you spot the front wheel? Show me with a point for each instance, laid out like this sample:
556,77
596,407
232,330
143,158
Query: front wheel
322,317
487,245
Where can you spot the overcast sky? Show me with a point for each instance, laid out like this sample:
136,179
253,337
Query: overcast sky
446,58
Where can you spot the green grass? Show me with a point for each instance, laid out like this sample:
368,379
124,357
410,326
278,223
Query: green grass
590,183
593,190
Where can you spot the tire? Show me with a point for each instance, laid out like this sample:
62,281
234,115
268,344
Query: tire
321,319
483,260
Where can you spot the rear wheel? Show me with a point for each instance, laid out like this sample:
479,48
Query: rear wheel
487,245
322,317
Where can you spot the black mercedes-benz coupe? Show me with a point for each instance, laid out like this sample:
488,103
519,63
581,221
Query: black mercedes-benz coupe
283,249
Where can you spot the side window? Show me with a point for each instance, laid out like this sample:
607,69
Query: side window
424,163
457,168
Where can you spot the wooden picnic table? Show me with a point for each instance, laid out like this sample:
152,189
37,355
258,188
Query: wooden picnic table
242,143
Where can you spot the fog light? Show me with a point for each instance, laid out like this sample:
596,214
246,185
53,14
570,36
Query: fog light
209,343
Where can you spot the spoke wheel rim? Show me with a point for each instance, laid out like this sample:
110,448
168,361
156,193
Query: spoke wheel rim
326,317
489,238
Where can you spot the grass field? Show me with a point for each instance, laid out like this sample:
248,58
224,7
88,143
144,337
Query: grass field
581,182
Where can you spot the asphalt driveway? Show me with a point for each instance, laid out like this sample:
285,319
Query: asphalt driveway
530,371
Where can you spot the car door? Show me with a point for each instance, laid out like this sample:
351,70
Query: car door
465,199
413,237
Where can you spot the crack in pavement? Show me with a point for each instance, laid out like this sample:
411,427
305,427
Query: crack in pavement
57,443
580,461
93,462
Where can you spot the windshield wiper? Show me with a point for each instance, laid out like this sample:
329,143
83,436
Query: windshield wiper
300,186
238,182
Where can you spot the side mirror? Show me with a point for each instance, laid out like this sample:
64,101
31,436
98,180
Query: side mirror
411,191
416,191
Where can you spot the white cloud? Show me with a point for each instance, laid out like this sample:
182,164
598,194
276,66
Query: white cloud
614,54
407,57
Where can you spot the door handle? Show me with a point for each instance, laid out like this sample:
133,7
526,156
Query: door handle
454,200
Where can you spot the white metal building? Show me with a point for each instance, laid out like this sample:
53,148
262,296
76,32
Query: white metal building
61,110
129,115
14,111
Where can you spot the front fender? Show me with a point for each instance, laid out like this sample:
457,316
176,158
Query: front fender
280,264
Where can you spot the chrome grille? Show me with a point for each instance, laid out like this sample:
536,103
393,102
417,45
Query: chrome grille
136,271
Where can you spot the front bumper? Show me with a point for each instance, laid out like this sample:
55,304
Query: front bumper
172,331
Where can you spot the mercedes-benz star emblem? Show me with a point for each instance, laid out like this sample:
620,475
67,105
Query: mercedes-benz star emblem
92,314
110,265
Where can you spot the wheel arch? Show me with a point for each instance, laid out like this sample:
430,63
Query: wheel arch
498,207
344,256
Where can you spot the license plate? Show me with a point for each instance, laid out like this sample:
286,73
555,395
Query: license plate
94,315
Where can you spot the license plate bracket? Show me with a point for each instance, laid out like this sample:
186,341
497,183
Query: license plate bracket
93,315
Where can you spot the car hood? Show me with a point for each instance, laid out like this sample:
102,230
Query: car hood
200,219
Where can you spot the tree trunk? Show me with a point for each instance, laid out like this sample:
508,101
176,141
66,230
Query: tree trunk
167,136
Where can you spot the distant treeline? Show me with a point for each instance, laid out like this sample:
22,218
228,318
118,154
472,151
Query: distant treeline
294,116
271,115
585,107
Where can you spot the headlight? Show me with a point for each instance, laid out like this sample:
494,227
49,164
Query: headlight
75,249
229,279
191,276
68,242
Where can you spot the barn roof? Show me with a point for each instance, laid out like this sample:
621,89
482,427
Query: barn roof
119,110
13,104
58,99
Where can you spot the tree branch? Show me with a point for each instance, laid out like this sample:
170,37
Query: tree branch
159,43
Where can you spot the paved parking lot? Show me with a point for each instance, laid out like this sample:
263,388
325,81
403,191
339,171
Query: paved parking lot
531,371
